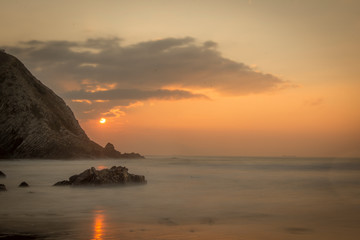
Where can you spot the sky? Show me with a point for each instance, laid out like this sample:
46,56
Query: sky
230,78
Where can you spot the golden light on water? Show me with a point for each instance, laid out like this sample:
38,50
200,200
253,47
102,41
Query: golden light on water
98,226
102,120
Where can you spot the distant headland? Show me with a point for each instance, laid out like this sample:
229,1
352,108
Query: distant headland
35,123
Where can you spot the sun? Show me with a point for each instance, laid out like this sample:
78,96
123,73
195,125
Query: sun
102,120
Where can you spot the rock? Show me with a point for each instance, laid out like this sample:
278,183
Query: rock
2,175
36,123
62,183
114,175
110,151
2,187
24,184
131,155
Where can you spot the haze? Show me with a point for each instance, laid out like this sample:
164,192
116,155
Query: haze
254,78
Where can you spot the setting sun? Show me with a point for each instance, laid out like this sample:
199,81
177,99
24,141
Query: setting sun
102,120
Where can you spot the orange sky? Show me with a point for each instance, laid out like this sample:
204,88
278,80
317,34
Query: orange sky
257,78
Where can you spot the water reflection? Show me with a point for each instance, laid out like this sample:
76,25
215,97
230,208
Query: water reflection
98,225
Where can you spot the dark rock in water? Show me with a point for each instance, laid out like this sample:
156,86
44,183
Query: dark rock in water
131,155
114,175
36,123
2,175
2,187
24,184
62,183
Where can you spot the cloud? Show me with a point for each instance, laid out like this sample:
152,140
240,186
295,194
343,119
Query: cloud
133,94
104,69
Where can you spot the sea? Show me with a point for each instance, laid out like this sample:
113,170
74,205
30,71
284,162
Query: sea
247,198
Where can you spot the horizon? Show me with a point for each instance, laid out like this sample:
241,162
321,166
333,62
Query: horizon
220,78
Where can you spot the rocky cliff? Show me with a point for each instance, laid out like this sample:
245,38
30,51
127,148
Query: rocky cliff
36,123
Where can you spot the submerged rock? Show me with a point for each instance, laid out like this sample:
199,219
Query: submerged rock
114,175
2,187
2,175
24,184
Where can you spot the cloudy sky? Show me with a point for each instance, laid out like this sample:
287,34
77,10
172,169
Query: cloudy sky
244,77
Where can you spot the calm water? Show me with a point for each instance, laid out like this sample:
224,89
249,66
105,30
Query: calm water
188,198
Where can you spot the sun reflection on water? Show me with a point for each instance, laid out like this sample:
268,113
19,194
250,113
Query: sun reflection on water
98,226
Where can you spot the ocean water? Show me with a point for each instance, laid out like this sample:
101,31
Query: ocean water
187,198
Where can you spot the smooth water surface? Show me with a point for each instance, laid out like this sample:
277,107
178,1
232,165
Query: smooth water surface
187,198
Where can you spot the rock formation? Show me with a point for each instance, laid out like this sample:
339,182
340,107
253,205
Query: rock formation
24,184
2,187
36,123
114,175
111,152
2,175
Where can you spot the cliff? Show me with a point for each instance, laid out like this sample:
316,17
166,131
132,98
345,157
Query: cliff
36,123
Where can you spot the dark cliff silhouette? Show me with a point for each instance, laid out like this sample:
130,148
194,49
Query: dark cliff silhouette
36,123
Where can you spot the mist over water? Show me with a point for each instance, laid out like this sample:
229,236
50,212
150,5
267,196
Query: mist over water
187,198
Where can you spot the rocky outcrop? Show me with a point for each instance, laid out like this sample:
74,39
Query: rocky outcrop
35,122
2,187
131,155
2,175
114,175
24,184
111,152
